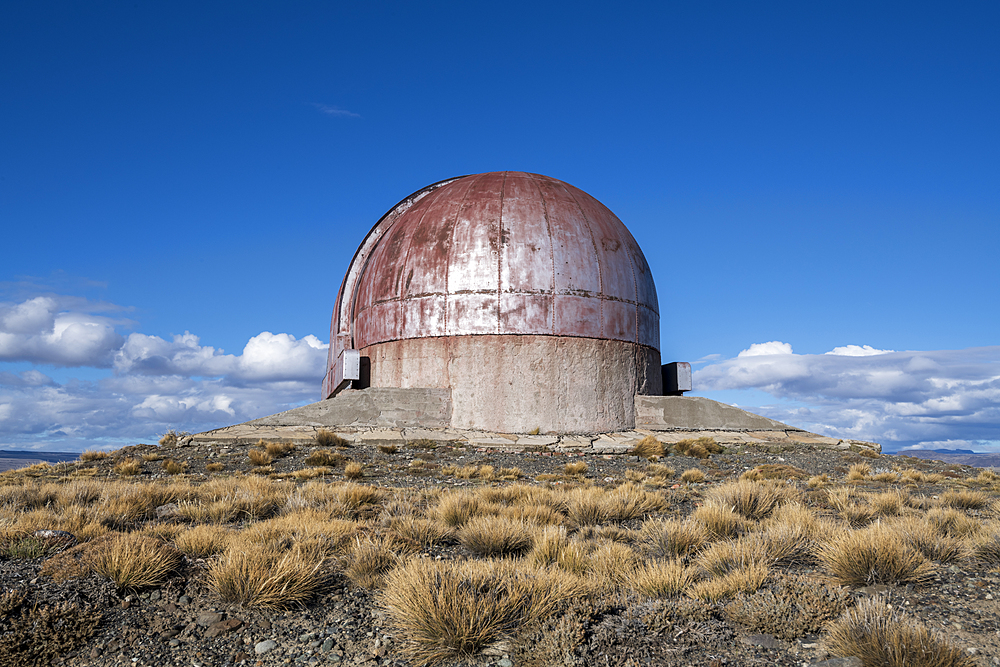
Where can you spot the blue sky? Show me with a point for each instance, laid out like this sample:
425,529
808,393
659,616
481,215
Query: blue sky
182,186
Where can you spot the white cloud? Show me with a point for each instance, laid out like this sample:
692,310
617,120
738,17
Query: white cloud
886,396
40,331
766,349
154,384
336,111
857,351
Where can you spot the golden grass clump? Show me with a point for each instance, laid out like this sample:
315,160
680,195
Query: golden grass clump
721,522
878,635
325,438
260,457
93,455
721,558
354,470
172,467
388,449
495,536
659,470
965,499
700,448
878,554
948,521
743,580
575,468
128,467
818,481
886,477
671,538
421,532
649,448
859,472
445,610
925,538
370,561
215,467
135,561
456,508
548,543
258,576
203,540
170,438
693,476
752,500
663,578
773,471
276,450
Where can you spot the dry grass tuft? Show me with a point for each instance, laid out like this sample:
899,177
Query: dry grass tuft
203,541
745,580
661,578
649,448
172,467
875,633
966,500
277,450
388,449
495,536
128,467
260,457
215,467
134,561
575,468
325,438
774,471
354,470
170,438
93,455
878,554
720,521
671,538
659,471
700,448
421,532
752,500
257,576
370,561
925,538
446,610
818,481
859,472
692,476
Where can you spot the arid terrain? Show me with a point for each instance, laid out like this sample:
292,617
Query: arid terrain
440,553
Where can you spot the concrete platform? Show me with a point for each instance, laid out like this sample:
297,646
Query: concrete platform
395,416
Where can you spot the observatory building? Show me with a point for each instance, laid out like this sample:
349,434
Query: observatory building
523,295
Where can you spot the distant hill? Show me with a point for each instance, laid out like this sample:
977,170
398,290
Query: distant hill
962,456
13,459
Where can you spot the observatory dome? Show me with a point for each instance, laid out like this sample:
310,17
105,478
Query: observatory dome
523,294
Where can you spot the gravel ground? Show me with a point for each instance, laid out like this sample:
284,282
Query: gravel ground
182,623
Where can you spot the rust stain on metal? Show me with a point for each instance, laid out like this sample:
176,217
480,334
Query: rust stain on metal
501,252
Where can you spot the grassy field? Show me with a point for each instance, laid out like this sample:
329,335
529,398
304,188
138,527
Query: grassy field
773,550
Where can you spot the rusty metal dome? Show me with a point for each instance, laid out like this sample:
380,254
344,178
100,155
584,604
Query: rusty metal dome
497,253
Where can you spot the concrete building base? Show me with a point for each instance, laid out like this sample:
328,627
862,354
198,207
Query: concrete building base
520,384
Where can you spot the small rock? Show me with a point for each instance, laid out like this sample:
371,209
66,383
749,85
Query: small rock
170,608
175,642
505,662
220,628
184,600
327,645
764,641
208,618
154,596
840,662
263,647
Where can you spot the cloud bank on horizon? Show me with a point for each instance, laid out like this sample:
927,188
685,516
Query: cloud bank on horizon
148,384
946,399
